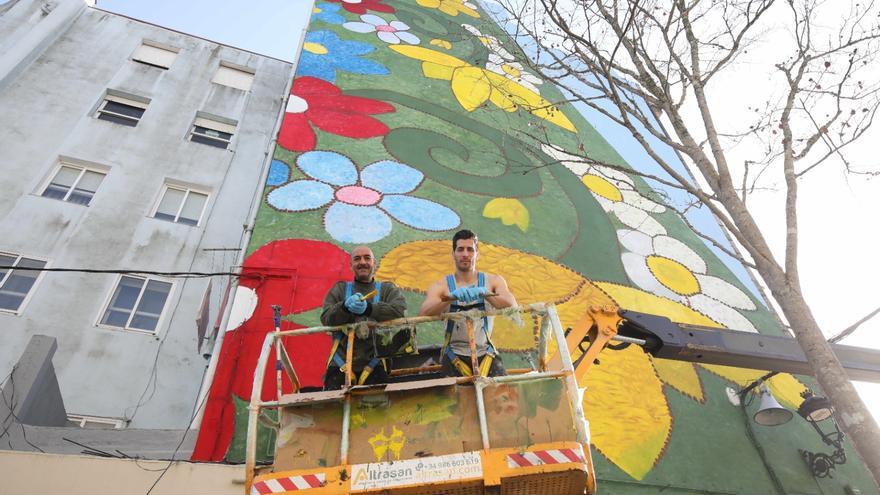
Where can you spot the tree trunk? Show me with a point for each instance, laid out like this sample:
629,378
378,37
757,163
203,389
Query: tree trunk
850,412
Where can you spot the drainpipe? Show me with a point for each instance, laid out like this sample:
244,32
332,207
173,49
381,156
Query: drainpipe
249,229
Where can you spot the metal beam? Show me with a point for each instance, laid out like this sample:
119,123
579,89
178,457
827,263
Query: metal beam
668,340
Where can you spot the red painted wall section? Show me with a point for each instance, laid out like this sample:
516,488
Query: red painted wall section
293,273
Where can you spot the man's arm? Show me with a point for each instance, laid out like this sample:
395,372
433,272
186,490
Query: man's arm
334,307
391,304
503,298
434,304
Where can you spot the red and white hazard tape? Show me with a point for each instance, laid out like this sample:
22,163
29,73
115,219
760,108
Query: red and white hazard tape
540,457
288,484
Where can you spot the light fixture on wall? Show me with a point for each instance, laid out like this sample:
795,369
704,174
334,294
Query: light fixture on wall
771,413
814,409
817,410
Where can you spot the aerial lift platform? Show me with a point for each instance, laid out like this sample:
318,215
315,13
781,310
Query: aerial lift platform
468,435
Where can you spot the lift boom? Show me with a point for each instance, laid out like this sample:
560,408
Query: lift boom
665,339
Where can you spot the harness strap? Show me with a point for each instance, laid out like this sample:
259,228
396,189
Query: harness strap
376,285
337,357
463,368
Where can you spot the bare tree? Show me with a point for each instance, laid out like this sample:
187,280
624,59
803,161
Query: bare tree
640,62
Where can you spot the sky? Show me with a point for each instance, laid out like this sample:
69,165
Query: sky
839,238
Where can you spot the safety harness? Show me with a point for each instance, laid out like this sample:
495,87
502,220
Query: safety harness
460,365
337,357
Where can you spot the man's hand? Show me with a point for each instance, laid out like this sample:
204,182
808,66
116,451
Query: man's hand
469,294
355,305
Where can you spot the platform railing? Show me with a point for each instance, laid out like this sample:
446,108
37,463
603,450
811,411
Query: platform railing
550,326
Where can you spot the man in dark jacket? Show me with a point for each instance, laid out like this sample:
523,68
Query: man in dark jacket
345,303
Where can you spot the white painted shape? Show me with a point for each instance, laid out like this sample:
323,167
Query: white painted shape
637,219
243,305
295,104
604,202
572,162
721,313
725,292
674,249
637,242
634,198
618,178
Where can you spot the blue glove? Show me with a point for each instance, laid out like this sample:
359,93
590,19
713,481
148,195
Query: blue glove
355,305
460,294
477,293
469,294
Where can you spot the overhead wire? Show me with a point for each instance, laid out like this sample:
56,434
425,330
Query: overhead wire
189,274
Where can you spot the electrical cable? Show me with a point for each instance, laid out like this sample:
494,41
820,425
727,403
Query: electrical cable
15,417
11,399
754,440
852,328
195,411
131,272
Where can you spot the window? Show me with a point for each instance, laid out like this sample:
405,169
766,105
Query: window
137,303
15,284
152,54
182,205
234,77
97,422
211,132
74,184
121,110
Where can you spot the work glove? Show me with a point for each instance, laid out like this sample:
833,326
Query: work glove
355,305
469,294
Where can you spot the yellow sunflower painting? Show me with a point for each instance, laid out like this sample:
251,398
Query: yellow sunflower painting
625,399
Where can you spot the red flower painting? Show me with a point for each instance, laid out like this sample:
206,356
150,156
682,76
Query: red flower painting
362,6
294,274
315,102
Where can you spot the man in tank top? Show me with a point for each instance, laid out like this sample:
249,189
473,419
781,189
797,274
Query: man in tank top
463,290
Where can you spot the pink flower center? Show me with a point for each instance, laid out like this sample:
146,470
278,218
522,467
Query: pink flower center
386,28
358,195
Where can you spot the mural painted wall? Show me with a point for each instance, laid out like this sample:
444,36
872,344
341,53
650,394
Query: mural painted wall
405,122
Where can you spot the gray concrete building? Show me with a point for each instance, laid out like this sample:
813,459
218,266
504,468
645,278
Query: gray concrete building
124,146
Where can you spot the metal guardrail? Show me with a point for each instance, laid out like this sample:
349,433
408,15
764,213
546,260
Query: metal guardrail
549,323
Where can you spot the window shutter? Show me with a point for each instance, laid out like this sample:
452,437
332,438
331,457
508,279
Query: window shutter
154,55
234,78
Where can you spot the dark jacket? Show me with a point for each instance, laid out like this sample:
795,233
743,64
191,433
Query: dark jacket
391,305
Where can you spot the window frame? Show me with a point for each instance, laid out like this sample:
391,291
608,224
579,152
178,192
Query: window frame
109,299
215,123
122,99
83,168
31,291
158,46
187,189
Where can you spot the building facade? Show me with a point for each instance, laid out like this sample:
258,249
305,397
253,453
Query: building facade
446,128
126,147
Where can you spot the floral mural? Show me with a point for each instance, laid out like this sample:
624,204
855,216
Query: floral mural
405,122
